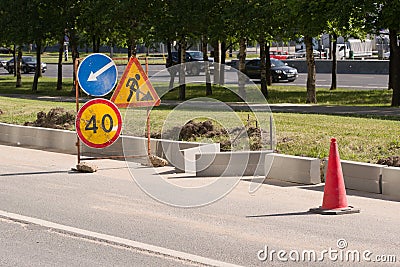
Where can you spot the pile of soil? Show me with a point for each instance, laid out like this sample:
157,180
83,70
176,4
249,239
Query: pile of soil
56,118
192,130
390,161
196,129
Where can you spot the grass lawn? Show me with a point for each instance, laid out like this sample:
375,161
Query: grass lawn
46,86
359,139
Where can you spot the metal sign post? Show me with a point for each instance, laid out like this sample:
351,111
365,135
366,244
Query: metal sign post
78,144
148,117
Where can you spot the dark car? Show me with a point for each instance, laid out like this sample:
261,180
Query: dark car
279,70
194,60
28,65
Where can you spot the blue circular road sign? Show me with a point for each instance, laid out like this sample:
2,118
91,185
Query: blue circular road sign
97,74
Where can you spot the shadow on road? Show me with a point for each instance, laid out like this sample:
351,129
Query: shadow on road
281,214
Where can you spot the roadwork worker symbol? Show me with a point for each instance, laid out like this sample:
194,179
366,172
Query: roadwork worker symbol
133,85
134,88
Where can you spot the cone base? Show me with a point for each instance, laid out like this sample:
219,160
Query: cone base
348,210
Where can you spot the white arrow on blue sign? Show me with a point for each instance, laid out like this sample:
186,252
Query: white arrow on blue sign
97,74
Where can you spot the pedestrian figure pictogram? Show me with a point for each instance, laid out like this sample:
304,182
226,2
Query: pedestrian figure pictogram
133,87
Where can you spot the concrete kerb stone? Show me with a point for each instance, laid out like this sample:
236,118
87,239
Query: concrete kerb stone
361,176
56,140
391,181
64,141
301,170
191,153
358,176
235,163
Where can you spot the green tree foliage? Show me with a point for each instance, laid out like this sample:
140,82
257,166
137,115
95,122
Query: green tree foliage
126,23
387,17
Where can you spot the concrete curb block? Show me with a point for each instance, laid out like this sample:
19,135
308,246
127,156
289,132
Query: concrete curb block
207,161
294,169
225,164
362,176
391,181
27,136
191,153
65,142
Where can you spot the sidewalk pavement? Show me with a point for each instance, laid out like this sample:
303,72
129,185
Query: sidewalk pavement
238,106
312,109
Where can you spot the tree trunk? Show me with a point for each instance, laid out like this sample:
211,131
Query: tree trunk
133,50
334,64
18,67
15,60
217,61
268,64
395,70
171,68
182,72
242,65
75,55
222,66
206,66
390,85
263,68
38,71
96,44
311,77
59,64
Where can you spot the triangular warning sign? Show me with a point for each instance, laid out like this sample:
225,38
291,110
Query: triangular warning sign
134,89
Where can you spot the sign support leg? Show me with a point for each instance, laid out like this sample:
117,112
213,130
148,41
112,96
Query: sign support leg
78,146
148,117
148,132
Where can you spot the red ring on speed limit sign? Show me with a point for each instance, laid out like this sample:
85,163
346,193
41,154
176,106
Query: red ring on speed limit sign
98,123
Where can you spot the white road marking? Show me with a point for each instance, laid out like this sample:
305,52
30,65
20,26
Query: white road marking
117,241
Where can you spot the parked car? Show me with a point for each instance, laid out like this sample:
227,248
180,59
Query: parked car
5,50
279,71
195,61
28,65
3,62
302,53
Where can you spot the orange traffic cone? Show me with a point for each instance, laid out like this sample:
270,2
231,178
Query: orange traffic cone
335,200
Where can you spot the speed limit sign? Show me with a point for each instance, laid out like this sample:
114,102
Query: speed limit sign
98,123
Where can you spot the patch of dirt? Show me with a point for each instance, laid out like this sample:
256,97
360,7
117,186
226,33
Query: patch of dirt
390,161
56,118
1,112
192,130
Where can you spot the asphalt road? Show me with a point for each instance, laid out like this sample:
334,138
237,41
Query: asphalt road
350,81
40,185
31,245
